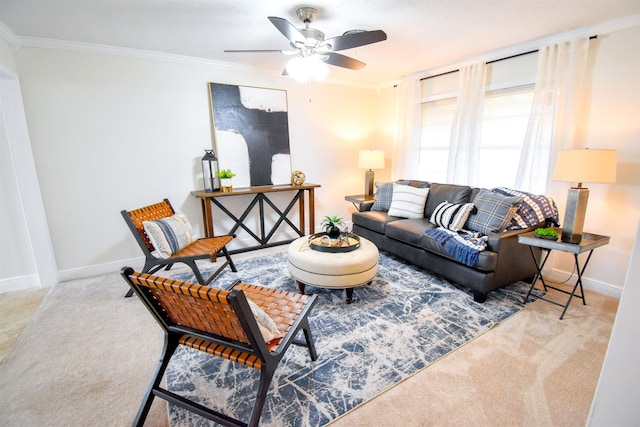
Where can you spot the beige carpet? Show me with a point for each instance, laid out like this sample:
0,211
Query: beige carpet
85,359
531,370
88,354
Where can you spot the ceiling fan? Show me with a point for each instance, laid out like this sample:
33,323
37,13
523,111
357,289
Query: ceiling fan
312,50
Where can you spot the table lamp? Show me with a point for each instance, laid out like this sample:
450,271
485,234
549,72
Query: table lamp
370,159
597,166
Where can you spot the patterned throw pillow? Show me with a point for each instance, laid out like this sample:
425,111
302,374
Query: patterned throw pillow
532,210
408,201
494,212
169,235
384,192
267,326
382,200
451,216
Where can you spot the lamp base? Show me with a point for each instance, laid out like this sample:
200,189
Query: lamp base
574,214
368,183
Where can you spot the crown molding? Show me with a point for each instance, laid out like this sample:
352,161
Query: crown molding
535,44
16,42
45,43
9,36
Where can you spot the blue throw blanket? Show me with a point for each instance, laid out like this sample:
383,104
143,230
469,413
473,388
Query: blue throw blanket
464,246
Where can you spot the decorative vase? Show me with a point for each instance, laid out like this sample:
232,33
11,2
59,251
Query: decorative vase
334,232
226,185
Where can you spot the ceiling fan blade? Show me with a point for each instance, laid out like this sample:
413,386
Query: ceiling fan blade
357,39
254,50
288,30
342,61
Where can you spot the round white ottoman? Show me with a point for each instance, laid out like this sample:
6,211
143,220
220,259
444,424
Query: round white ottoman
342,270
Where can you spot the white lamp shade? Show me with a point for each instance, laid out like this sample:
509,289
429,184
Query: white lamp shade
309,67
598,166
371,159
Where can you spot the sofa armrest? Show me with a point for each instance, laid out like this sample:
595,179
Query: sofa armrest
514,259
495,239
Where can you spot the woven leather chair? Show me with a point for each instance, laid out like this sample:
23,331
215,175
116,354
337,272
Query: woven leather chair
220,322
198,250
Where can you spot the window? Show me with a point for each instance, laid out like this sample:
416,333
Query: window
506,114
507,106
434,139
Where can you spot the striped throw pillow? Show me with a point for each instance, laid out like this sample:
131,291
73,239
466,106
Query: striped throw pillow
408,201
451,216
169,235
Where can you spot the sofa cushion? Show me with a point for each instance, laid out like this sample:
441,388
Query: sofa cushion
451,216
372,220
439,193
408,230
493,214
408,201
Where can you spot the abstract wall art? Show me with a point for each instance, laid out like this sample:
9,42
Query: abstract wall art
251,131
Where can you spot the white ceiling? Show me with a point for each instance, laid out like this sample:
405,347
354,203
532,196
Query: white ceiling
422,34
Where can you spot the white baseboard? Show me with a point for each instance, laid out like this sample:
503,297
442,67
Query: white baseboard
99,269
138,262
19,283
32,281
589,284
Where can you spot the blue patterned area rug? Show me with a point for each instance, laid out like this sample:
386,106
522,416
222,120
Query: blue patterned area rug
402,322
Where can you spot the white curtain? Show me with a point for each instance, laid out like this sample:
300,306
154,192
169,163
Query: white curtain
406,145
558,107
466,129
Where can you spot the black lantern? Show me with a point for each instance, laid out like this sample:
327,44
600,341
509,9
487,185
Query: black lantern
210,172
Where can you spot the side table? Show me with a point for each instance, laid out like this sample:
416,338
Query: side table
357,199
588,244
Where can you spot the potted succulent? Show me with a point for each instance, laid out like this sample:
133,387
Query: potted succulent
225,176
333,226
546,233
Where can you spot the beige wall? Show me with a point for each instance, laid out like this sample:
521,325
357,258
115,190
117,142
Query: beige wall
111,133
613,122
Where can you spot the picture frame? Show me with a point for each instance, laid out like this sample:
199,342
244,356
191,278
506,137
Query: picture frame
251,133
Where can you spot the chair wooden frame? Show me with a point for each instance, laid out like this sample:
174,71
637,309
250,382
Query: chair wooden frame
220,322
200,249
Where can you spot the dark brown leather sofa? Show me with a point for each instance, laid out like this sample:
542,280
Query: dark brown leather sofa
504,261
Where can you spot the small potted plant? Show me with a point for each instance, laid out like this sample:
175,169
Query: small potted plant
546,233
225,176
333,226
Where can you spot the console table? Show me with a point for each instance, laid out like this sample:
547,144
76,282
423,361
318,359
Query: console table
260,197
588,243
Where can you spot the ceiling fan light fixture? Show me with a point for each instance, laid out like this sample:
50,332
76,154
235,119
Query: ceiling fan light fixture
304,68
313,52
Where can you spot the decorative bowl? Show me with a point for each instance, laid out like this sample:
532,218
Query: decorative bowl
347,242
